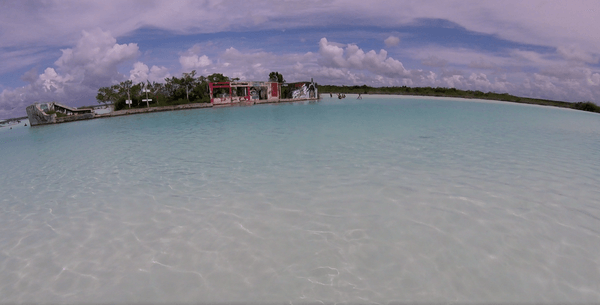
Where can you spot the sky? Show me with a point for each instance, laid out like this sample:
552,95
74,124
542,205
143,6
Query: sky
64,50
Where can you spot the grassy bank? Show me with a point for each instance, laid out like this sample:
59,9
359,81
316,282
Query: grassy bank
452,92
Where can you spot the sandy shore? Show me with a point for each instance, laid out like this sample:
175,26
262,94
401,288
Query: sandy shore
325,96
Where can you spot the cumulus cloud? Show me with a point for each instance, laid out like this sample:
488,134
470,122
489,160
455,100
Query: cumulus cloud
352,57
256,64
194,59
192,62
351,64
94,60
568,73
563,75
50,81
77,75
392,41
141,73
558,25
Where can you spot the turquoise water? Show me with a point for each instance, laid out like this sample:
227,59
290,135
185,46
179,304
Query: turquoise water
384,199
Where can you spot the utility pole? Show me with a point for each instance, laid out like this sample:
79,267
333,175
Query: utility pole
128,101
147,100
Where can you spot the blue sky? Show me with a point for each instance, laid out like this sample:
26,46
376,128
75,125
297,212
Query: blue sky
65,50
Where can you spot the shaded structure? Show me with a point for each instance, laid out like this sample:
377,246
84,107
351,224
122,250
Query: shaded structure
226,93
46,113
237,92
302,90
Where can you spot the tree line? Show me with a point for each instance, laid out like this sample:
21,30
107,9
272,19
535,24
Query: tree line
453,92
174,91
192,89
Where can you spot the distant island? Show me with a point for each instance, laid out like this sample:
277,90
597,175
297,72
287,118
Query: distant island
453,92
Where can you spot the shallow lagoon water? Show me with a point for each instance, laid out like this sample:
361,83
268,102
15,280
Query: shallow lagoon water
385,199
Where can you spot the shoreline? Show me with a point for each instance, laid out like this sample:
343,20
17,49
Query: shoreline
133,111
466,99
456,93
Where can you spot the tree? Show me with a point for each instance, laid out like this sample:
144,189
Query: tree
276,77
186,89
107,95
170,86
217,77
188,82
119,92
155,88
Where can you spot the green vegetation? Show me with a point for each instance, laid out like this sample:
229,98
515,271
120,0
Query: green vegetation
175,91
191,89
586,106
276,77
453,92
58,114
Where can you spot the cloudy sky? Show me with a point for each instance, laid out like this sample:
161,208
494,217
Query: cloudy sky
65,50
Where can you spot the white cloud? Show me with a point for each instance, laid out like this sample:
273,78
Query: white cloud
570,73
480,80
506,60
577,55
554,24
352,57
141,73
453,81
95,58
392,41
563,75
256,65
193,59
50,81
549,23
193,62
331,54
78,74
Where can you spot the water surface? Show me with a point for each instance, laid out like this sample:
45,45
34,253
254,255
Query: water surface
385,199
